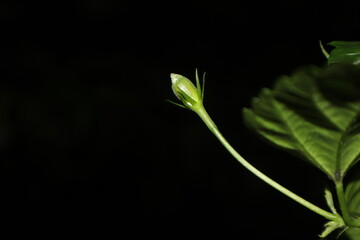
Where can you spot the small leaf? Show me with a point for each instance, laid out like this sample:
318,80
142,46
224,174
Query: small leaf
329,228
329,200
311,114
344,52
326,54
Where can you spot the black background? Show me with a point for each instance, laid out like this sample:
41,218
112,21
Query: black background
90,148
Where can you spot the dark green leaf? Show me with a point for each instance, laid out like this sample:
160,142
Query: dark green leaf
352,234
344,52
310,113
352,196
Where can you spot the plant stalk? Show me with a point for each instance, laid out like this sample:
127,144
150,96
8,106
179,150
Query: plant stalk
213,128
349,221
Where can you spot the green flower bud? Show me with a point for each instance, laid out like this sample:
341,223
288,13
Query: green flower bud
186,92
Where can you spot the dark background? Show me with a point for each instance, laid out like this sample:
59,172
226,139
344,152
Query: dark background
90,148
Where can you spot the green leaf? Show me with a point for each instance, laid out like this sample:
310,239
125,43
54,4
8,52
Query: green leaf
313,113
352,234
344,52
329,200
330,227
352,196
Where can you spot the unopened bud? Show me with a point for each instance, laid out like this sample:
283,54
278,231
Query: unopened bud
186,91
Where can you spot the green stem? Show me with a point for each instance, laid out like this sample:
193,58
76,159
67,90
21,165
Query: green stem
349,221
213,128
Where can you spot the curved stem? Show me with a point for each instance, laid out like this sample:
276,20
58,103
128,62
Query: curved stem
213,128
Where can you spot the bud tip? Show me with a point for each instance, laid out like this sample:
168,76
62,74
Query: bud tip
174,77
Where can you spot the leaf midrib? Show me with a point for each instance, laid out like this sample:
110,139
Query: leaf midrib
302,148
